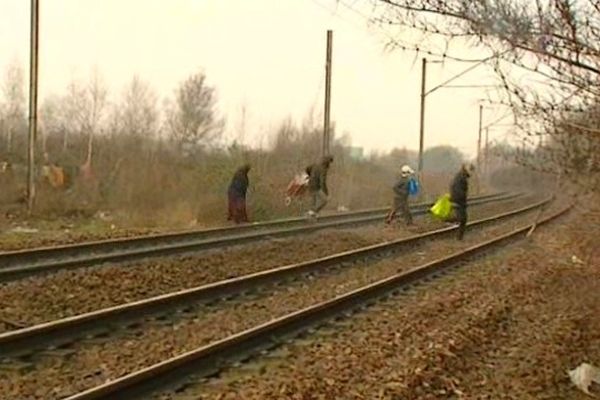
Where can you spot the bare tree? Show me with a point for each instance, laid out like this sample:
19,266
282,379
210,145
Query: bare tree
137,113
192,120
94,116
13,91
96,104
83,108
72,112
79,115
50,121
544,53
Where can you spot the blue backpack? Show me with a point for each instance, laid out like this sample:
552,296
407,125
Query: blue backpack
413,187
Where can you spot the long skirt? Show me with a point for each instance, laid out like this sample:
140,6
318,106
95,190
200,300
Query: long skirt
237,209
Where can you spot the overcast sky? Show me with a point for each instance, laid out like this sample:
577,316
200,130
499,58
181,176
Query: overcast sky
265,54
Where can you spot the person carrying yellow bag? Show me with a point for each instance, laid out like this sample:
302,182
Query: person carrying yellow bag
452,207
442,209
459,191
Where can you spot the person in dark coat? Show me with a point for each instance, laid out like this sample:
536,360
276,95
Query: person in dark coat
400,202
317,185
237,195
459,191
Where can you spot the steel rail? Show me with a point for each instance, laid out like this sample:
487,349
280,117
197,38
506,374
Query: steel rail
9,257
206,359
62,331
19,264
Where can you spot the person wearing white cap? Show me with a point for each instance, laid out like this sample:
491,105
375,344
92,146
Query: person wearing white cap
401,192
406,170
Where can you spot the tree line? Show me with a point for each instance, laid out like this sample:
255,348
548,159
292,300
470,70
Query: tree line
545,56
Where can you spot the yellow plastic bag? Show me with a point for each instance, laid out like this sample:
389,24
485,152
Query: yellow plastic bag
442,208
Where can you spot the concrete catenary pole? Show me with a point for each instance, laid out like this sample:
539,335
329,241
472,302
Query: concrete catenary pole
33,100
422,115
327,113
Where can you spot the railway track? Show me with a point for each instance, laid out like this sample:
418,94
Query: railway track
226,288
174,373
23,263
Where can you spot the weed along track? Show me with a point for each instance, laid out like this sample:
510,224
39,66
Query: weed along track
195,328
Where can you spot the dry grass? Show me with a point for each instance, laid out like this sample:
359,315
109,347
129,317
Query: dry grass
148,183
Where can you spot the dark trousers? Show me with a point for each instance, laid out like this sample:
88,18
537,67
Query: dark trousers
460,216
400,204
237,209
319,200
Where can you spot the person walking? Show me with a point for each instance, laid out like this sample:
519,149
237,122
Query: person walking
401,193
317,185
237,195
459,191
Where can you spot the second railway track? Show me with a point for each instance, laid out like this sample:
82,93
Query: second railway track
19,264
180,376
235,286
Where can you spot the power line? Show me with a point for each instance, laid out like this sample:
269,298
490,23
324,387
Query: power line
393,40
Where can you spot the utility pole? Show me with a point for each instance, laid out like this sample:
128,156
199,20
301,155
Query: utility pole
33,95
487,150
424,94
422,117
479,138
327,113
478,171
